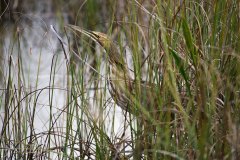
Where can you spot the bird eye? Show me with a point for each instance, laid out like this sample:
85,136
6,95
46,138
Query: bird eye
96,35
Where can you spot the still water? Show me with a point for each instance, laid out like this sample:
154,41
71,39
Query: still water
31,38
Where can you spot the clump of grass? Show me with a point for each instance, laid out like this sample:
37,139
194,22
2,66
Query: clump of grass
189,49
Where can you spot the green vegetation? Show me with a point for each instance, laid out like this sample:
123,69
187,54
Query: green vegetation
189,49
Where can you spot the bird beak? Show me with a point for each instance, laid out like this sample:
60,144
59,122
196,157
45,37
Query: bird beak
90,34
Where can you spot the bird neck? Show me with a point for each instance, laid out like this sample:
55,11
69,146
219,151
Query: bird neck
115,57
118,67
118,71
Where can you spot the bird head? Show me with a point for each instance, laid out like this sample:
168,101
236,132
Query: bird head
102,39
98,37
105,42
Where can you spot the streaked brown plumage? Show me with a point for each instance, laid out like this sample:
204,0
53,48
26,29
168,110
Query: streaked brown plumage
137,98
121,86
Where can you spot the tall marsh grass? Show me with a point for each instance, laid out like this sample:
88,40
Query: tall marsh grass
189,49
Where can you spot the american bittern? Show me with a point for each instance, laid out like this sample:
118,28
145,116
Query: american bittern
121,86
137,98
